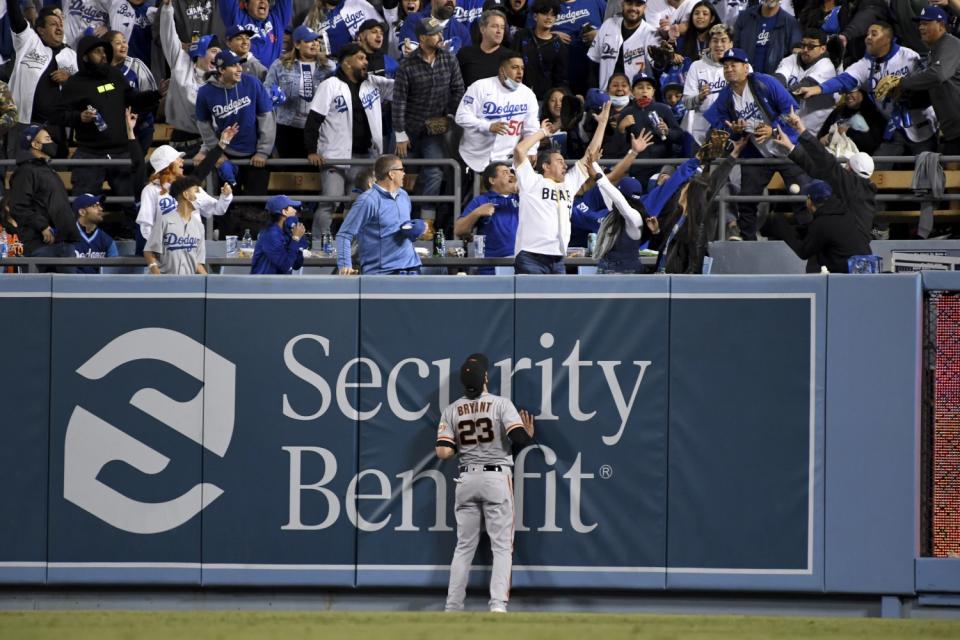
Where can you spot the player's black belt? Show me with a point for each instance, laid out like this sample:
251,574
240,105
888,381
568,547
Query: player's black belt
487,467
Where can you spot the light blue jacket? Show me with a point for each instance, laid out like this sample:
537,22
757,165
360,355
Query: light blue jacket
293,112
374,220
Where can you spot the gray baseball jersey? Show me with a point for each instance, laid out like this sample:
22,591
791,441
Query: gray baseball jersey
179,245
479,429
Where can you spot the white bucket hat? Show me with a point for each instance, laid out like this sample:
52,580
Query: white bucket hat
161,157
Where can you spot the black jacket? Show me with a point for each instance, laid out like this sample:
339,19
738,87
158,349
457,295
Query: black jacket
859,195
830,239
39,200
545,62
105,90
866,141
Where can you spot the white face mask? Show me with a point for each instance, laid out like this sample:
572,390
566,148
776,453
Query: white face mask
620,101
510,83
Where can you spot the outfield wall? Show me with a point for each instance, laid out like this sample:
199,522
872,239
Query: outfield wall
722,432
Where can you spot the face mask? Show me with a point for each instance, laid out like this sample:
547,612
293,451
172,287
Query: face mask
644,102
49,148
620,101
289,223
510,83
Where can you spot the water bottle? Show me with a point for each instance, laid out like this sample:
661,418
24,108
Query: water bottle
4,249
591,243
439,244
98,119
326,242
246,244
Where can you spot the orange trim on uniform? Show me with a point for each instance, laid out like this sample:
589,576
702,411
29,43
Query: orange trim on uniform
514,426
447,439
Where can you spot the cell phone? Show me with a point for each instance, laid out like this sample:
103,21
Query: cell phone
775,133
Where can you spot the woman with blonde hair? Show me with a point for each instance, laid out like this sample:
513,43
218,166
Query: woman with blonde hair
167,163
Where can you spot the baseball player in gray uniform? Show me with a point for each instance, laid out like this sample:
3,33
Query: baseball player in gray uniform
480,427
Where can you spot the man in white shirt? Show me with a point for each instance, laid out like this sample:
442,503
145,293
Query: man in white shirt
810,67
622,43
546,199
495,114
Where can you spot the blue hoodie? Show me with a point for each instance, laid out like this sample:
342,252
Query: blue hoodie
276,252
242,103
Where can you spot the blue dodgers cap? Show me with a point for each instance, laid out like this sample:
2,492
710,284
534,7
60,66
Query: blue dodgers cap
630,187
277,204
671,80
29,134
931,14
85,200
226,58
818,191
199,48
303,33
413,229
735,55
595,100
643,77
239,29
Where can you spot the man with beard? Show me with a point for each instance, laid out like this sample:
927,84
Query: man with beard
266,24
370,38
93,103
43,63
621,45
94,242
809,68
429,86
456,34
345,121
766,33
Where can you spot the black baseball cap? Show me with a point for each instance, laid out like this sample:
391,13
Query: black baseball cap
473,374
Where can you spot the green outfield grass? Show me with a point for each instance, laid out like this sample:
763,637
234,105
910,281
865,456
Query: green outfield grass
243,625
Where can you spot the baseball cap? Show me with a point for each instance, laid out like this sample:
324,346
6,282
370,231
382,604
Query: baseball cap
428,26
199,48
630,187
29,134
861,164
371,23
413,229
670,80
931,14
736,55
643,77
818,191
162,156
85,200
595,100
473,374
277,204
495,5
303,33
226,58
237,30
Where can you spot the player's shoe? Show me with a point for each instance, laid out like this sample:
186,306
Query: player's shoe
498,608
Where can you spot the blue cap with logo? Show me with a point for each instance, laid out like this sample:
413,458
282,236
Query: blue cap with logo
29,134
239,29
735,55
671,80
818,191
595,100
199,48
226,58
303,33
931,14
277,204
643,77
85,200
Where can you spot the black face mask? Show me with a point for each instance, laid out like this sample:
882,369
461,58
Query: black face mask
49,148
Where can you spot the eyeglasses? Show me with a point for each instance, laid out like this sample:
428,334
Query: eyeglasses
807,46
397,169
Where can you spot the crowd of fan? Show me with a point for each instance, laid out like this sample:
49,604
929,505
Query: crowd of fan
242,81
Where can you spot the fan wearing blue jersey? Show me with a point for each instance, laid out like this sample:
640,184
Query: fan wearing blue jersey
493,214
456,33
266,23
94,242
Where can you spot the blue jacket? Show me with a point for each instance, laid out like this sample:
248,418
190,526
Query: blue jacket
267,42
500,229
456,34
374,220
276,253
772,98
783,35
585,216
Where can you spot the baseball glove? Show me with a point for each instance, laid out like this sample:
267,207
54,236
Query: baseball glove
714,147
888,87
436,126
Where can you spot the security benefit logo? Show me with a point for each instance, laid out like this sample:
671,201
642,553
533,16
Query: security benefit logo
91,443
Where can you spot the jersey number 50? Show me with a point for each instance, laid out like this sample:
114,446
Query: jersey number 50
474,432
